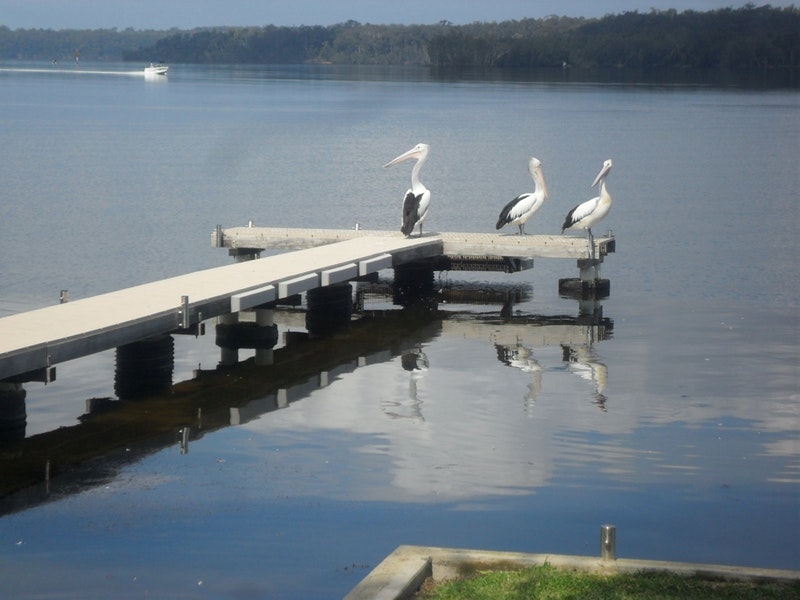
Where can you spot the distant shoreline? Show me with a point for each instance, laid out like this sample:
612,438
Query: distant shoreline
746,38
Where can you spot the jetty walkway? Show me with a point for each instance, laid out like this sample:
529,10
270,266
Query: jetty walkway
31,343
34,341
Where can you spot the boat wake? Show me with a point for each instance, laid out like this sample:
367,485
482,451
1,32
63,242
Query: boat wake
137,73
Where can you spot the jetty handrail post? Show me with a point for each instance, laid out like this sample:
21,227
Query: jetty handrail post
608,542
185,312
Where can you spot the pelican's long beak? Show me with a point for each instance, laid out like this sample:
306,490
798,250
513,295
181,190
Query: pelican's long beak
413,153
603,172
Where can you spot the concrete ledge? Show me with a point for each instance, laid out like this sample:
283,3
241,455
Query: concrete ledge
401,573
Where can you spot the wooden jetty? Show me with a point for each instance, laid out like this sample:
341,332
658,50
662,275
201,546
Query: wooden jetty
31,343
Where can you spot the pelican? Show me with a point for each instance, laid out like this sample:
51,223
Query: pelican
523,207
418,198
586,214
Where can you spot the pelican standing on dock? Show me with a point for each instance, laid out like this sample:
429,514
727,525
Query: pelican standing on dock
586,214
524,206
418,198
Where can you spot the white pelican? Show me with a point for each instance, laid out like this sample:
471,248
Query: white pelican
523,207
418,198
586,214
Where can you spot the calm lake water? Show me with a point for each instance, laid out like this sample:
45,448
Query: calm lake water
677,420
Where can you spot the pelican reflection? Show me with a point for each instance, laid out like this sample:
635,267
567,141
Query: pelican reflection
520,357
583,361
414,361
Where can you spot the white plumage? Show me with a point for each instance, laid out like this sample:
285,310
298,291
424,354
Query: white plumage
523,207
587,214
418,198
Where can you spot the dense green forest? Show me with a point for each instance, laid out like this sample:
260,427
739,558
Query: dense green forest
747,37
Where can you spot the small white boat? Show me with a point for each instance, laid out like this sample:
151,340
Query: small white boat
158,69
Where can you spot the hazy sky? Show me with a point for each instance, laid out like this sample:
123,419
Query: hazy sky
186,14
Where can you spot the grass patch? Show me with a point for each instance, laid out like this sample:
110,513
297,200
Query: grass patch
550,583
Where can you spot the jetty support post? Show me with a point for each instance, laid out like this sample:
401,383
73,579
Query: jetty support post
259,332
330,308
588,284
228,356
589,269
244,254
13,416
144,367
414,284
265,317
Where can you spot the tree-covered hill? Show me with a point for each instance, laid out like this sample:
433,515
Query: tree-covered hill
727,38
66,44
